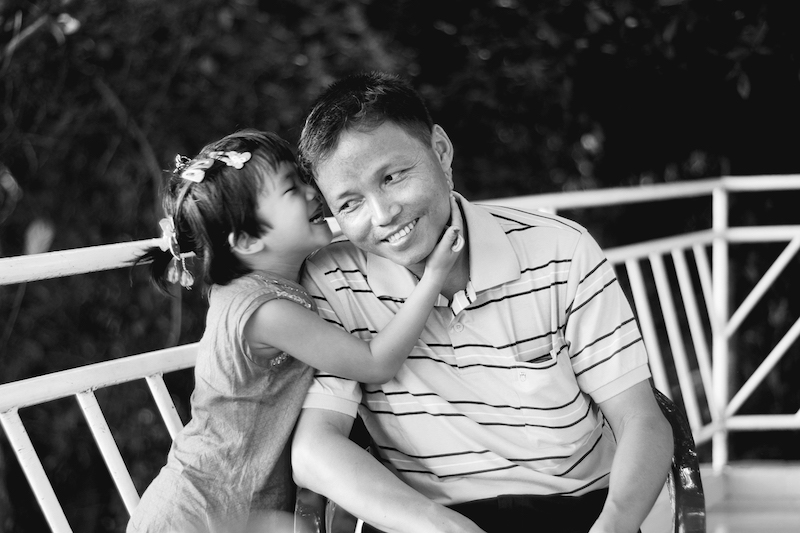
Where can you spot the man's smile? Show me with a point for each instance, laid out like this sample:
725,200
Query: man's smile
397,236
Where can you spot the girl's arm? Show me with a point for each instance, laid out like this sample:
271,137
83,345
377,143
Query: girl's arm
301,333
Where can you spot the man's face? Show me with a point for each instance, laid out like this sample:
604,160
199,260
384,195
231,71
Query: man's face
389,192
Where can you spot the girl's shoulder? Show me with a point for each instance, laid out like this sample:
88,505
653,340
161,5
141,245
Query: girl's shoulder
339,253
256,287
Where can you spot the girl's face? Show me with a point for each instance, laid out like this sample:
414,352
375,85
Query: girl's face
293,211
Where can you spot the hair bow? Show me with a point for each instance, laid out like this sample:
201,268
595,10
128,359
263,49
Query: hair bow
232,159
176,271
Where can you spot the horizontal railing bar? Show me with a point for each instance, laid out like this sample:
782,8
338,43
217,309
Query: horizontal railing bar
33,391
35,267
649,193
762,422
73,262
761,183
752,234
750,423
611,196
754,423
48,265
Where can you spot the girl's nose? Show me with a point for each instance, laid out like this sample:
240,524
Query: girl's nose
311,192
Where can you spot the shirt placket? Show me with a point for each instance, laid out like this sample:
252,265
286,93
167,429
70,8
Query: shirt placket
457,328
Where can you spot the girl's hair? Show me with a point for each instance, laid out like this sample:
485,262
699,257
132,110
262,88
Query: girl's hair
203,213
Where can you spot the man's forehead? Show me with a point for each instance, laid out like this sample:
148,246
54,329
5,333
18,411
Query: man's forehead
366,152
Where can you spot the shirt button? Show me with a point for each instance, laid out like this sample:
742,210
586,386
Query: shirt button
523,376
459,327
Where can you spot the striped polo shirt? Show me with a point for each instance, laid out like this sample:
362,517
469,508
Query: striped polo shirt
500,394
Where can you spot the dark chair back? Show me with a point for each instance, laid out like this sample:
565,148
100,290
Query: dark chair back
684,483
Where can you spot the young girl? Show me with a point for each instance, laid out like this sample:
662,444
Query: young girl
241,207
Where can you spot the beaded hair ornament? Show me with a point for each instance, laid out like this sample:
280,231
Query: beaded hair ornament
194,171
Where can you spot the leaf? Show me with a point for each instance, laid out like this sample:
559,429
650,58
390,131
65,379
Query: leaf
743,86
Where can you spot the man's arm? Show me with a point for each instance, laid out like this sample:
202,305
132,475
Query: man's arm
325,460
642,460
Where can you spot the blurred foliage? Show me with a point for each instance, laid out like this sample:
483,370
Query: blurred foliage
99,95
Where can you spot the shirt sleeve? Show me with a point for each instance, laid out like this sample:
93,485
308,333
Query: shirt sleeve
327,391
606,346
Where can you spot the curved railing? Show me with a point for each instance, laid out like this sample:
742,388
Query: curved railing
687,335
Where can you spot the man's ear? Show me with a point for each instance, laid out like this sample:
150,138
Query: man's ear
443,148
245,244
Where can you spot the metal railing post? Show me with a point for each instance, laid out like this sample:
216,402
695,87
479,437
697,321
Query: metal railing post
720,352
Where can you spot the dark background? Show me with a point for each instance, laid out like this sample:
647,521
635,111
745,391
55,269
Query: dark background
538,96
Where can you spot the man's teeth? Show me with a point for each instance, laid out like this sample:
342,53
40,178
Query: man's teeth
400,234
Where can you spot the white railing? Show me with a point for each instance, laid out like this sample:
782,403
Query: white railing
700,366
714,282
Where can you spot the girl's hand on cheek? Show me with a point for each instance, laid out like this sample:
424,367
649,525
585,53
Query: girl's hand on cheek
449,246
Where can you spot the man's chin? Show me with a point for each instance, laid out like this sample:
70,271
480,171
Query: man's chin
413,262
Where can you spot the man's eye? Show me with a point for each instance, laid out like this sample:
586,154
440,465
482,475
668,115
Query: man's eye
348,206
395,176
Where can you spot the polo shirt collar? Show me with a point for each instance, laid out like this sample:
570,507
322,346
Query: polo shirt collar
492,260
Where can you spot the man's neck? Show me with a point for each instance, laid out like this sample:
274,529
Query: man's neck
450,289
456,280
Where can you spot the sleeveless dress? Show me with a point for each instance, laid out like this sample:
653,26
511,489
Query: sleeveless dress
231,462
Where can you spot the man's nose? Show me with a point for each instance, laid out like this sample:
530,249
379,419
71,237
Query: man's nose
384,210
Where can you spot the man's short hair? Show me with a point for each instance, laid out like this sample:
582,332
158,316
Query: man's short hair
360,102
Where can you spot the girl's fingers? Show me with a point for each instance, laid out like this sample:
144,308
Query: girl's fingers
455,213
457,223
458,243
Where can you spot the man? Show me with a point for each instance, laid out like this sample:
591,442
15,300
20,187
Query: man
526,404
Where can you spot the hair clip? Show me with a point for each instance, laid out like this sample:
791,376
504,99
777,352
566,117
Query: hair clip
196,171
177,271
232,159
181,161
